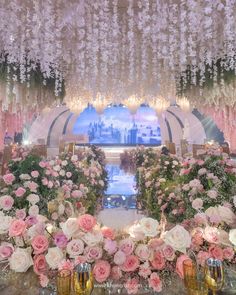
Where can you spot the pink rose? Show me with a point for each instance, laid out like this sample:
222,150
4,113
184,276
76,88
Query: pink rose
43,280
68,174
168,253
33,186
228,253
76,194
101,271
20,214
110,246
40,264
6,203
119,258
20,192
75,247
145,270
158,261
197,204
35,174
216,252
132,286
202,256
131,263
154,282
9,178
126,246
6,250
50,184
143,252
155,243
45,181
116,273
87,222
39,244
17,228
93,253
42,164
179,265
108,233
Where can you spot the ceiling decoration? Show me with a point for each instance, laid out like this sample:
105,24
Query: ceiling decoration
120,48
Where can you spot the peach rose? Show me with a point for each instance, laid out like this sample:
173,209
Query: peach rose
39,244
158,261
154,282
131,263
40,264
101,271
179,265
108,233
17,228
87,222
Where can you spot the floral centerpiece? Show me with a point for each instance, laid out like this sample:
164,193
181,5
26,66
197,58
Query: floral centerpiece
144,254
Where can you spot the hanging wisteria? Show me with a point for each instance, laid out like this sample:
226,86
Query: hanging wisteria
120,48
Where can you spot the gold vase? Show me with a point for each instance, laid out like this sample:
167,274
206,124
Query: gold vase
83,279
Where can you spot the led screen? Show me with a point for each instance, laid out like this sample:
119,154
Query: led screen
117,126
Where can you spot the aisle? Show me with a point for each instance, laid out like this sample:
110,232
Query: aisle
119,202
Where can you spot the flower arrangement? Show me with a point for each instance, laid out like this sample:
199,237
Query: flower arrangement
144,254
56,186
181,187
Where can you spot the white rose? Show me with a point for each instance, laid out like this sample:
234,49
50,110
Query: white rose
52,162
175,163
5,224
62,172
234,201
21,260
92,239
54,257
70,228
136,232
226,215
33,199
34,210
57,168
232,236
25,177
75,248
178,238
64,163
149,226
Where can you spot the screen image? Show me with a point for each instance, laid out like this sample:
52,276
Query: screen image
117,126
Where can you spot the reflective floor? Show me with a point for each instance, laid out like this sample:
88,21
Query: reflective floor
121,190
